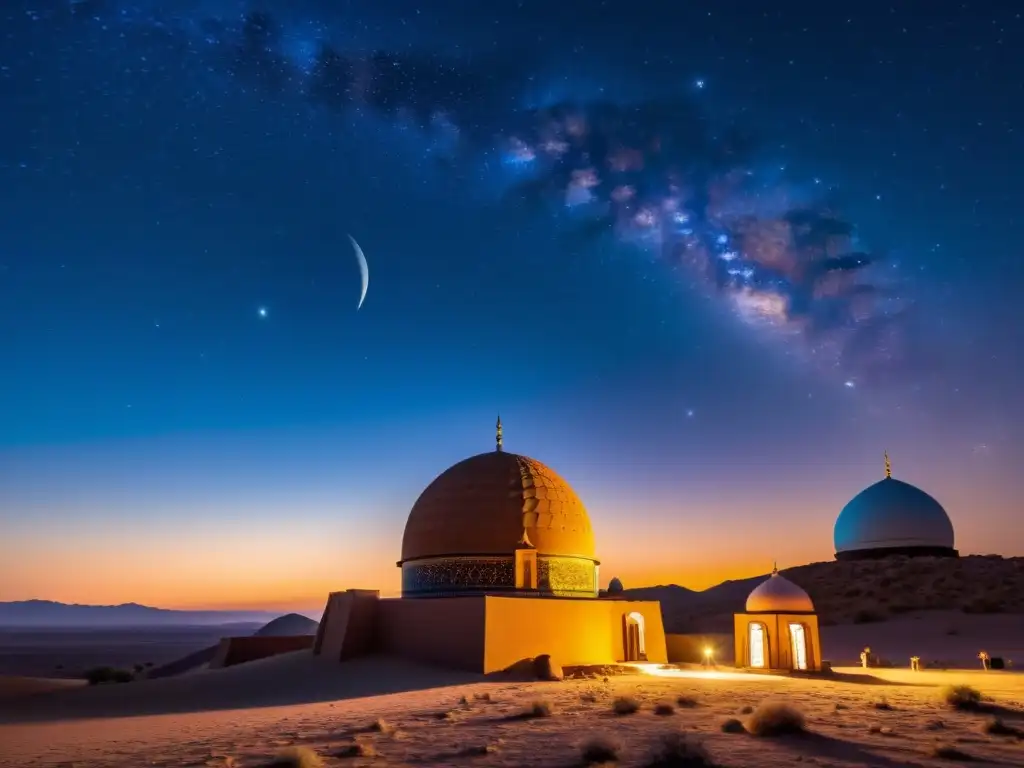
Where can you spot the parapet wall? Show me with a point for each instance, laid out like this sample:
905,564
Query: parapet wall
239,650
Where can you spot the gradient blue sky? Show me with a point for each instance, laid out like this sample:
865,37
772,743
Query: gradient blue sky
161,442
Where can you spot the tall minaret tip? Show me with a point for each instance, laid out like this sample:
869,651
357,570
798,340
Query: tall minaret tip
888,467
498,437
775,568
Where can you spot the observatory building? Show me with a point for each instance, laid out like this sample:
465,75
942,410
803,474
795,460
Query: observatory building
779,629
498,565
893,518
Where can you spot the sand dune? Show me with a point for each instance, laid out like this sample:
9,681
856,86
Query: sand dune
290,678
452,724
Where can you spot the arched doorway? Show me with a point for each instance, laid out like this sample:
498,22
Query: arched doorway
634,637
798,643
758,645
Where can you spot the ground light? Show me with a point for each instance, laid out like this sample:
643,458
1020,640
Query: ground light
661,670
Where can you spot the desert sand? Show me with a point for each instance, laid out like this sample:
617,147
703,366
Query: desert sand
55,652
246,715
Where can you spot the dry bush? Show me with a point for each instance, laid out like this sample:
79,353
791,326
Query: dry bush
732,725
676,750
588,697
379,726
687,702
355,749
296,757
664,708
449,715
996,727
962,697
625,705
485,696
482,749
598,750
948,752
775,718
537,709
748,709
883,704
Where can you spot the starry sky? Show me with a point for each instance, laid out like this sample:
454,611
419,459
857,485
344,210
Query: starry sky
707,262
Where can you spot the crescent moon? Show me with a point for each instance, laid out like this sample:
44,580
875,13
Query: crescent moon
364,271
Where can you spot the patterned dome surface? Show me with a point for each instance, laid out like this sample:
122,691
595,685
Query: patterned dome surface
777,594
892,514
482,505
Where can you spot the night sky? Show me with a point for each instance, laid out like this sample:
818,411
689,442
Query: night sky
707,262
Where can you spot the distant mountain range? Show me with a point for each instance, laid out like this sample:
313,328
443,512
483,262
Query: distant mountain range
47,613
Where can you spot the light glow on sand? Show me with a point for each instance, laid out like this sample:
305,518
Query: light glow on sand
661,670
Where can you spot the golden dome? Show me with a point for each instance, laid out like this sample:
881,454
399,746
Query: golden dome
778,594
483,505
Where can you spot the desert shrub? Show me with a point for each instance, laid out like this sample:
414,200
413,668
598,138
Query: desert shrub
732,725
677,750
625,705
996,727
380,726
867,616
539,708
948,752
746,710
883,704
599,750
588,697
296,757
686,702
103,675
480,749
664,708
449,715
485,696
355,749
962,697
775,718
984,605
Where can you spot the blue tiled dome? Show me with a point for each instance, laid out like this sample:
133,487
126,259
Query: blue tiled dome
893,515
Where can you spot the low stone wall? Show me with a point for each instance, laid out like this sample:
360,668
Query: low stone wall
239,650
689,649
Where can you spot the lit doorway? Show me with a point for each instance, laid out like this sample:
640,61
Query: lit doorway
798,638
634,637
758,641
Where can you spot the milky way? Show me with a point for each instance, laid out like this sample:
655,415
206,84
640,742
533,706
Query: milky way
655,175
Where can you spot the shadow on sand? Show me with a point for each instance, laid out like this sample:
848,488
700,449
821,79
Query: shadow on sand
292,678
865,679
819,745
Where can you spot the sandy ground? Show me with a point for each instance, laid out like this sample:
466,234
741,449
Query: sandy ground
439,718
69,652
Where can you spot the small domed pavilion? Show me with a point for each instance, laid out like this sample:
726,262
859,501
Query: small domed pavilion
779,629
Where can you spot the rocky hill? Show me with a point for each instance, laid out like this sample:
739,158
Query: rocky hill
859,592
288,625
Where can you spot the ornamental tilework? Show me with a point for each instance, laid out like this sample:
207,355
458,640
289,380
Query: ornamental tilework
458,575
567,576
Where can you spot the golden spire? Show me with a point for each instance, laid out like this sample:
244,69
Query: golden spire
498,437
775,568
888,467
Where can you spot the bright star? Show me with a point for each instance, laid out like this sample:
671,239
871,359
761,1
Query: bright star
262,311
689,413
699,84
849,385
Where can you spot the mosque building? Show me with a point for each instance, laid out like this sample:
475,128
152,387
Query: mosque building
498,565
891,518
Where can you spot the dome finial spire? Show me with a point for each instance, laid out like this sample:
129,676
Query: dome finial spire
775,567
888,467
498,437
